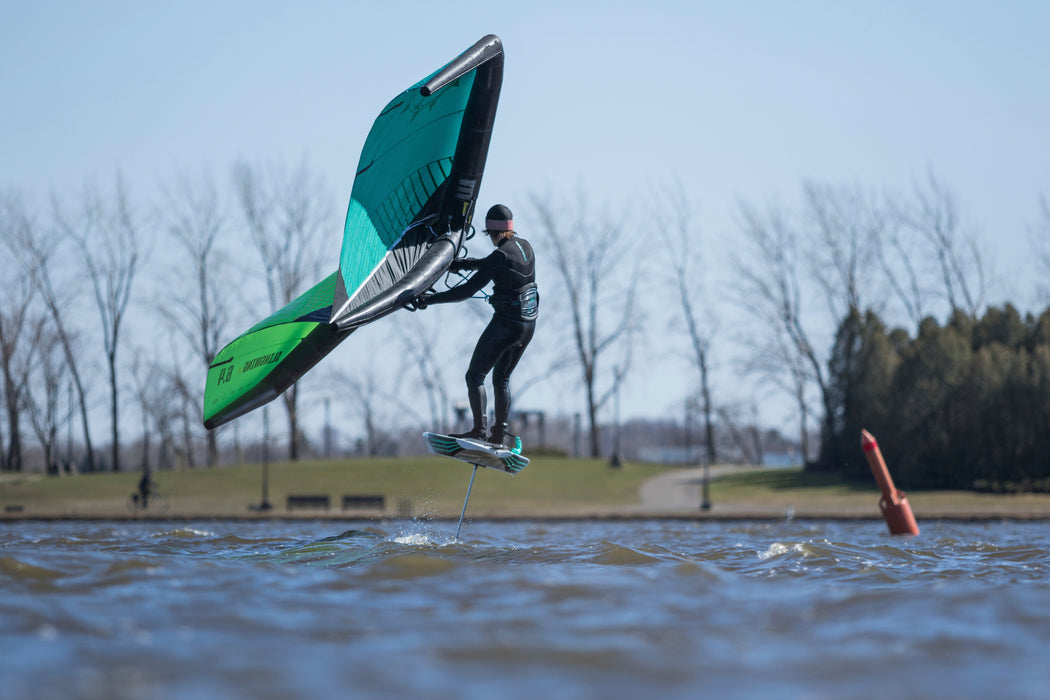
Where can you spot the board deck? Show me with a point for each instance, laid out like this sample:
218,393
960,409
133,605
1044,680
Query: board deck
483,454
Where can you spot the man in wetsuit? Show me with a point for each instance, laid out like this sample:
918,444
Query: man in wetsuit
515,303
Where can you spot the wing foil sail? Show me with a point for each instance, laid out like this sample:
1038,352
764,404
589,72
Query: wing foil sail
271,356
411,204
419,189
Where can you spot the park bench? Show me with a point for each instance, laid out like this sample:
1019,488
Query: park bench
363,502
307,501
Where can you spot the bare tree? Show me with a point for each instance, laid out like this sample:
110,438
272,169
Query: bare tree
933,217
679,235
154,386
367,399
188,414
16,295
43,395
196,220
1040,238
108,238
36,253
589,255
15,355
744,433
781,366
848,226
420,344
143,380
164,414
285,215
901,271
771,291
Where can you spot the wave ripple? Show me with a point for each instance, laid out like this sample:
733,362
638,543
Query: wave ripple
570,609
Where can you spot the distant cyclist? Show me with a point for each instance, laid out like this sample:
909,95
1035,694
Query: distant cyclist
146,489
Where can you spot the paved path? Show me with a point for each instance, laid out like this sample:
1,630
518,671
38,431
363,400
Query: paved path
679,491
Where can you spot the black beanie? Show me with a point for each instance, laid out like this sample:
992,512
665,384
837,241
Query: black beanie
499,219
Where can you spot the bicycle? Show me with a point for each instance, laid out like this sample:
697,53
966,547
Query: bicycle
154,502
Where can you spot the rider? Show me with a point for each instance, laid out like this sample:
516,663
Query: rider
515,302
146,488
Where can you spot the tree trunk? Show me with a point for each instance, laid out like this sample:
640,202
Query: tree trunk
13,457
709,430
114,410
592,416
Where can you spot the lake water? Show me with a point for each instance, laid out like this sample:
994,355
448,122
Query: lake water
573,609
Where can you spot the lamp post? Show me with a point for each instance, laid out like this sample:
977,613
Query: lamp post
705,497
265,505
705,479
576,435
614,461
327,427
705,491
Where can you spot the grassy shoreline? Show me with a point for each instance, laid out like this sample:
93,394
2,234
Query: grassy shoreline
433,488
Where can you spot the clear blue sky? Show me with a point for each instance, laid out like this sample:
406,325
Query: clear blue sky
734,100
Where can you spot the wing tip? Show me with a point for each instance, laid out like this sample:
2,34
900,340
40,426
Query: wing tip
485,49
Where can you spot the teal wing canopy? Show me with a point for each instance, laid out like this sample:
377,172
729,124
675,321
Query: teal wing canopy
416,185
411,204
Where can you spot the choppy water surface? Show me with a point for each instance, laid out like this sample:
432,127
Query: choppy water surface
647,609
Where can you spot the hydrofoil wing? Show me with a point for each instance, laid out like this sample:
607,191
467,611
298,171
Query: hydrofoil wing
483,454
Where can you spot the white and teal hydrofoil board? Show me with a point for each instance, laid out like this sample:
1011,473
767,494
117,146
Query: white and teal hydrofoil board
477,452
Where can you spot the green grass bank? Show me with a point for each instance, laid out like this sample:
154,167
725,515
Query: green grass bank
419,486
435,487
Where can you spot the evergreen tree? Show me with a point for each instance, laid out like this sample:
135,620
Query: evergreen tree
962,405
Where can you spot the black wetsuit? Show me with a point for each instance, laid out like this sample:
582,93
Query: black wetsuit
515,302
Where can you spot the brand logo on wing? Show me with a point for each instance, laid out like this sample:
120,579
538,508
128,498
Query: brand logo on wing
260,361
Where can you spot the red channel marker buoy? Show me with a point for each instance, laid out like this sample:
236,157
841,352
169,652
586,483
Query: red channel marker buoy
894,503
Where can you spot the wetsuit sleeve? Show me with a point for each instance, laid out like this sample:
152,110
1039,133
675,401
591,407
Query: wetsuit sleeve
486,268
464,264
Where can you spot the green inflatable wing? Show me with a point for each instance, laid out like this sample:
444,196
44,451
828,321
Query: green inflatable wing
411,205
